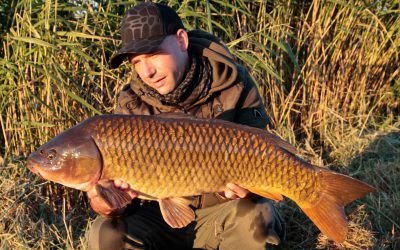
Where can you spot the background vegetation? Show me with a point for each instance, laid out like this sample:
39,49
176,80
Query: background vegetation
328,71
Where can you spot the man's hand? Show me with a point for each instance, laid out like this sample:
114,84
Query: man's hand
234,191
101,207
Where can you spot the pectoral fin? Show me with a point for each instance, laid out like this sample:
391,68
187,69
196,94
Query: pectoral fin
267,194
113,196
176,211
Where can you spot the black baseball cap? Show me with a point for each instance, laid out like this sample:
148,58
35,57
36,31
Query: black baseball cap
143,29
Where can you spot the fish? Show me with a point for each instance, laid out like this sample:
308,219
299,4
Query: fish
172,156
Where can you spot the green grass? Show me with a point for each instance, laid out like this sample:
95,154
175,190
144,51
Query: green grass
328,72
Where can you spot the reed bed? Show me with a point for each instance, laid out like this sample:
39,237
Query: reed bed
327,70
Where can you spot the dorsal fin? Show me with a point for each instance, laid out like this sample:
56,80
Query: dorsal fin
176,115
282,143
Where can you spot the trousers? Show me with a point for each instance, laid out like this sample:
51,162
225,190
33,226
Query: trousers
237,224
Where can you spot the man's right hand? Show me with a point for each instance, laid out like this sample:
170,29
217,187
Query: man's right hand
101,207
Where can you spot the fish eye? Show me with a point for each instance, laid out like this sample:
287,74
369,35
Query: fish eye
51,154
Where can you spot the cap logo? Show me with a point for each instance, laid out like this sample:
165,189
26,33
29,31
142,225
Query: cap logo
141,23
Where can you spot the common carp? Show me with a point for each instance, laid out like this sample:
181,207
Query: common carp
170,156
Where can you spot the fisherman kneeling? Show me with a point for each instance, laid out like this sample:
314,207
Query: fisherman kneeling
191,72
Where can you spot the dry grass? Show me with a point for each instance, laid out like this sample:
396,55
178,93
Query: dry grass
36,214
361,234
328,72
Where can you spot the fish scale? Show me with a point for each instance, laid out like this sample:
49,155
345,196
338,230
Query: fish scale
159,148
169,156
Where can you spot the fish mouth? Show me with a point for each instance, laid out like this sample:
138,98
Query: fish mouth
31,164
34,166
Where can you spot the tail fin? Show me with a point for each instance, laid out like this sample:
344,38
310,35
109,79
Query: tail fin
328,213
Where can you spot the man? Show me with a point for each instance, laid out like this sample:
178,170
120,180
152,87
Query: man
193,73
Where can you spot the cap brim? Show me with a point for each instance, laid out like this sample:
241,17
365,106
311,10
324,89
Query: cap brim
142,46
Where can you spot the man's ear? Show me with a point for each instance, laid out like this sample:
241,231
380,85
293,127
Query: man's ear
183,39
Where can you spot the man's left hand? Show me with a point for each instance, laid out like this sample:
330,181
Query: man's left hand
234,191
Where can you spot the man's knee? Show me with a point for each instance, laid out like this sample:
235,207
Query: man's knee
248,208
106,234
261,219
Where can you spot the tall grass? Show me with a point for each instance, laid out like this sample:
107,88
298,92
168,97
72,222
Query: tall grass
328,72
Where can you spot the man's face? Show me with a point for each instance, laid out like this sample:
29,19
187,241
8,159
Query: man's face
163,69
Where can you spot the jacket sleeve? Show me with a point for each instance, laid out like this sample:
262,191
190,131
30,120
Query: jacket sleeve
250,108
125,102
129,103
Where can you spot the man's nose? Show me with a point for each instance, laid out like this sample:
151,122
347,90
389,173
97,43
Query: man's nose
148,69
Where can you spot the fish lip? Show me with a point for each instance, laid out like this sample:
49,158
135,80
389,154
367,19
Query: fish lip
31,164
33,167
